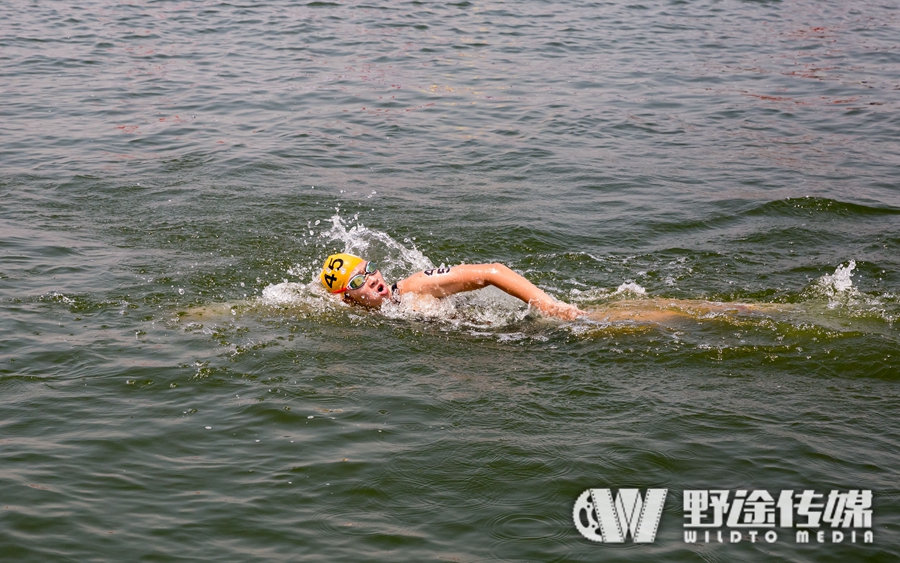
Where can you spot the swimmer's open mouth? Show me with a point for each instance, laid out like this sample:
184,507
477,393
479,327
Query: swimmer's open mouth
380,288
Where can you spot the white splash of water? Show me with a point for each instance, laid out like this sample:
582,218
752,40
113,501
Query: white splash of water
394,259
630,288
840,281
625,289
60,297
842,295
838,287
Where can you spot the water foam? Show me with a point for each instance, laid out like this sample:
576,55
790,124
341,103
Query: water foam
626,289
838,287
483,309
287,293
394,259
840,281
843,296
630,288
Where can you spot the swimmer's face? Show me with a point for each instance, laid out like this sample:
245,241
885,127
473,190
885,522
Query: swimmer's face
373,292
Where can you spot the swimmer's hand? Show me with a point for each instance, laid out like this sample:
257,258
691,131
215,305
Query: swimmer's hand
559,310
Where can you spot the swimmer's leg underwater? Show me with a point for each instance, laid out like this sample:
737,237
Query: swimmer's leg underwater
658,310
208,313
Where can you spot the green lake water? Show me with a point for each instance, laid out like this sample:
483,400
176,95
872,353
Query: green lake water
177,387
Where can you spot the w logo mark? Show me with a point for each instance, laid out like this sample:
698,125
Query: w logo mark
600,519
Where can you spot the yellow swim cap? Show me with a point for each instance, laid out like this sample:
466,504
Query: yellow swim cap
336,271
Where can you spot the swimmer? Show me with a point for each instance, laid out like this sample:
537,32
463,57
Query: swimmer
360,282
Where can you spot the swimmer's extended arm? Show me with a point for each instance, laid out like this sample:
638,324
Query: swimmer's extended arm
441,282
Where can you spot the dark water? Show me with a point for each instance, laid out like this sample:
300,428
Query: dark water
163,158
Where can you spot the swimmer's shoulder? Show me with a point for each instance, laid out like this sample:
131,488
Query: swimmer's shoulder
418,281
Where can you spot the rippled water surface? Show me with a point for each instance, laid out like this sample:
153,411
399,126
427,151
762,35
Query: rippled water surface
178,388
